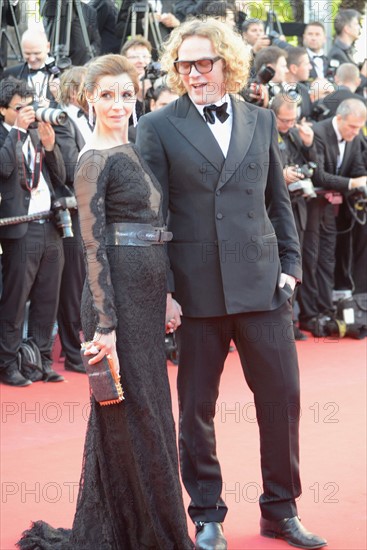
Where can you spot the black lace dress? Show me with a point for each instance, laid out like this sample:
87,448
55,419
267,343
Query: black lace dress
130,495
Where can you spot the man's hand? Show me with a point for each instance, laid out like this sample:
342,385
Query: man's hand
292,174
287,279
305,132
173,314
47,135
261,42
25,117
361,181
168,20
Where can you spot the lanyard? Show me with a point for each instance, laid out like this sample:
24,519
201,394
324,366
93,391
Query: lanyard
29,179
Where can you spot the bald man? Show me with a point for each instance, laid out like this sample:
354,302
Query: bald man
35,51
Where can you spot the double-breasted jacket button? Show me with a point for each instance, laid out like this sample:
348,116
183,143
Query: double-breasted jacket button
249,191
219,216
251,214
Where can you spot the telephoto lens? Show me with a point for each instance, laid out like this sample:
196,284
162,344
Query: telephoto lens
57,117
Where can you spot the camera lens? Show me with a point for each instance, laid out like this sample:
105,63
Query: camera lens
57,117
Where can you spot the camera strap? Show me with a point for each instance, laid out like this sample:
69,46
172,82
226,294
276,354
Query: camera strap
29,178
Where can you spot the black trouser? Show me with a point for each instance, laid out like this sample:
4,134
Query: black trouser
73,275
315,295
31,269
268,355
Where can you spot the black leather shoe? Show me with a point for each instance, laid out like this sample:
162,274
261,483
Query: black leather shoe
209,536
74,368
49,375
12,377
298,335
292,531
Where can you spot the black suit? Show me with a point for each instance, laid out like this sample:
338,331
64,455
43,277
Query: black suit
315,295
228,217
333,100
344,54
313,72
32,254
71,142
22,72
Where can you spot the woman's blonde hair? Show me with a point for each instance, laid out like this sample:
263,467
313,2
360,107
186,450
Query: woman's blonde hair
106,65
70,83
227,43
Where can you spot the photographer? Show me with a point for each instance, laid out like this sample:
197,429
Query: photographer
339,169
35,70
299,67
314,40
276,58
138,51
347,25
31,172
71,139
347,80
296,144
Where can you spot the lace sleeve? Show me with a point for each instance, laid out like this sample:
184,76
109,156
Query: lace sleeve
90,183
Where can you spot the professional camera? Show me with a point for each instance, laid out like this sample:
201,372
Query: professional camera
304,187
308,169
60,209
264,75
53,69
57,117
332,68
319,111
153,71
275,39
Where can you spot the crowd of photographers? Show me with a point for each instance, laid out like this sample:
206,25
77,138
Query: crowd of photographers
319,102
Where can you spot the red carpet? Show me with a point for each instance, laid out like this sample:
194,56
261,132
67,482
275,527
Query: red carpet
42,432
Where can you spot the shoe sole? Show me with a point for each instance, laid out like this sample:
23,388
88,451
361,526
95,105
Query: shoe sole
272,535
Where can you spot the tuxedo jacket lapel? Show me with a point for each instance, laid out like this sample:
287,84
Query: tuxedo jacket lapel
244,122
194,129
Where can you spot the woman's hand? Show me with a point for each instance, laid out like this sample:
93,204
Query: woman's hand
101,345
173,314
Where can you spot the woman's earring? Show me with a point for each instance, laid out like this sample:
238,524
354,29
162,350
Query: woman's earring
90,115
135,116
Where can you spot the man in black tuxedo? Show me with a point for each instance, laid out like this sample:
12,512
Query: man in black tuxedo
339,168
299,66
71,138
235,260
314,40
31,171
347,80
35,50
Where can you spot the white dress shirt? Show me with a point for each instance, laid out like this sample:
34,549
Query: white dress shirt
220,130
40,200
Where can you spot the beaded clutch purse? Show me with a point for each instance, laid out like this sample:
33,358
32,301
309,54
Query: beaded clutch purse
103,380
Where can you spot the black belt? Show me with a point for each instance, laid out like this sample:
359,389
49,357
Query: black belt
135,234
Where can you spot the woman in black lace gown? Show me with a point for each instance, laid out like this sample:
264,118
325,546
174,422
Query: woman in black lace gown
130,495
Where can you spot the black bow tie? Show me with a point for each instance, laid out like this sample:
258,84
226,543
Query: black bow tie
80,113
318,57
341,140
220,111
35,71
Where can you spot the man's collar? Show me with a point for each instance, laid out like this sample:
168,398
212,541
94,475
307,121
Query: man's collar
336,129
224,99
